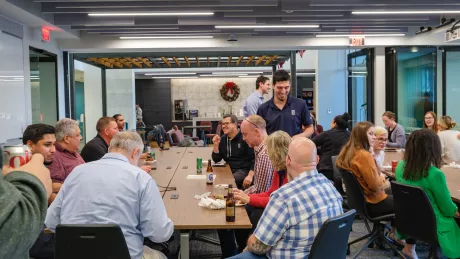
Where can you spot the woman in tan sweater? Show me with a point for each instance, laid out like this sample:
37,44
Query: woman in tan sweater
356,157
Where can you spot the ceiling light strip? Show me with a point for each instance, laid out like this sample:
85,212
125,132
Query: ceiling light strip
264,26
166,37
153,14
360,35
408,12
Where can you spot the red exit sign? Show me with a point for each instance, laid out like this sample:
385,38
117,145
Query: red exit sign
356,41
46,37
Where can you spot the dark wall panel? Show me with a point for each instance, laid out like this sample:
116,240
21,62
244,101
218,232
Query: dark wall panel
154,97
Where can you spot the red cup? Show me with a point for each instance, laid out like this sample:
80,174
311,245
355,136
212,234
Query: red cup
394,164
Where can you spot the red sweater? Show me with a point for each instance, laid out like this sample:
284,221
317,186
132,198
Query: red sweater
260,200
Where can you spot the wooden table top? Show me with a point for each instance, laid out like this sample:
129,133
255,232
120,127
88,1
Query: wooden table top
184,211
167,163
452,174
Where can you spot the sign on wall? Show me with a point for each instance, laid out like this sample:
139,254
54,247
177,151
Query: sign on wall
356,41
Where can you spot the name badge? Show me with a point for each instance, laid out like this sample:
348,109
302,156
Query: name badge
293,112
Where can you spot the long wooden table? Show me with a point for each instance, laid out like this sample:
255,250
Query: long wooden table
452,174
184,211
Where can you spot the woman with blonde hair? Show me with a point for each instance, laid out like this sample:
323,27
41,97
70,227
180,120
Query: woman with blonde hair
277,147
449,137
430,121
381,139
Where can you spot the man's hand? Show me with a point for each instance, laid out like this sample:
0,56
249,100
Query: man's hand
146,168
144,156
216,140
241,196
35,166
247,181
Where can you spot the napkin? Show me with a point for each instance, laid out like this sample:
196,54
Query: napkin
453,165
209,203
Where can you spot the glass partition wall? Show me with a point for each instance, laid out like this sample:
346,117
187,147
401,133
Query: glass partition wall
360,85
411,84
451,83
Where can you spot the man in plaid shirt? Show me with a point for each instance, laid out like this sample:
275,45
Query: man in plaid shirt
254,132
297,210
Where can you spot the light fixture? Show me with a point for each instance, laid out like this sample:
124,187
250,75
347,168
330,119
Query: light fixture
10,76
230,73
174,77
264,26
360,35
153,14
165,37
168,74
445,22
254,76
358,72
224,75
408,12
305,74
423,30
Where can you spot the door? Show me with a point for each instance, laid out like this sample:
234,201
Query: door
360,85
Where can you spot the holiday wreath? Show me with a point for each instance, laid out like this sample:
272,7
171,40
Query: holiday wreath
230,91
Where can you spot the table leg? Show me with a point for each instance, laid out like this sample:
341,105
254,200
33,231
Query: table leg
184,245
194,129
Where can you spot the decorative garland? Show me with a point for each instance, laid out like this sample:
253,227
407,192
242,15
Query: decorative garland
233,89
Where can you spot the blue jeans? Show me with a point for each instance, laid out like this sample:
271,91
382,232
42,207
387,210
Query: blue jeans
227,242
248,255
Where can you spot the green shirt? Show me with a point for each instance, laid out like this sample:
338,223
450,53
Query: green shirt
444,208
23,205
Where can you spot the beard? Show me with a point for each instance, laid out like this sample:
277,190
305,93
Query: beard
47,163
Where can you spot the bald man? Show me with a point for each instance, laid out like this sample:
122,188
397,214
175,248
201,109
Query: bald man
297,210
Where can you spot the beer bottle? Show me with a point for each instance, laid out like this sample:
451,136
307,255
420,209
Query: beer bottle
209,173
230,205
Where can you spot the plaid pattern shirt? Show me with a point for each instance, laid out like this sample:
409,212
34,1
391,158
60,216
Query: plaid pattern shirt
295,214
263,170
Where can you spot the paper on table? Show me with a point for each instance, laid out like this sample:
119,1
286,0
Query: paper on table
220,163
209,203
198,177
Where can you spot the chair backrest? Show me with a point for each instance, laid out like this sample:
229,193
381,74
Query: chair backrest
414,216
335,169
90,242
355,194
332,239
206,123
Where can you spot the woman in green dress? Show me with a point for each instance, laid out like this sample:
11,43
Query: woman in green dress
421,167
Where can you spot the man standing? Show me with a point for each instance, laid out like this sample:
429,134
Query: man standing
255,134
96,148
254,100
120,120
285,112
234,150
66,158
24,193
297,210
40,138
90,196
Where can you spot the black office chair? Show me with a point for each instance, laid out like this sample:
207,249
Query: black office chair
90,242
331,240
415,217
357,201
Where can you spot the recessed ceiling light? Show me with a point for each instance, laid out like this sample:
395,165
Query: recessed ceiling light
305,74
253,76
225,75
264,26
153,14
164,37
360,35
168,74
407,12
10,76
174,77
230,73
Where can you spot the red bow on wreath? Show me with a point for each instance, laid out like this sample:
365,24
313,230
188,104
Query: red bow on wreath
229,86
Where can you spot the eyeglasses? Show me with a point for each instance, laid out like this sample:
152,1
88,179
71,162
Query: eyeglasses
429,118
251,123
382,139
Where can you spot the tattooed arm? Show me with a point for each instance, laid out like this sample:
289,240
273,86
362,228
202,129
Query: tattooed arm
255,246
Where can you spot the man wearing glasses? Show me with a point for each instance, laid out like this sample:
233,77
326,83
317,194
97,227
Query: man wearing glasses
235,151
284,112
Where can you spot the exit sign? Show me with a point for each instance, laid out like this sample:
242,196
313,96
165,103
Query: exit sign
46,35
356,41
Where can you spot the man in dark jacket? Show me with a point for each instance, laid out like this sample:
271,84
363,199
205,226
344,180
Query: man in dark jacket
24,194
235,151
